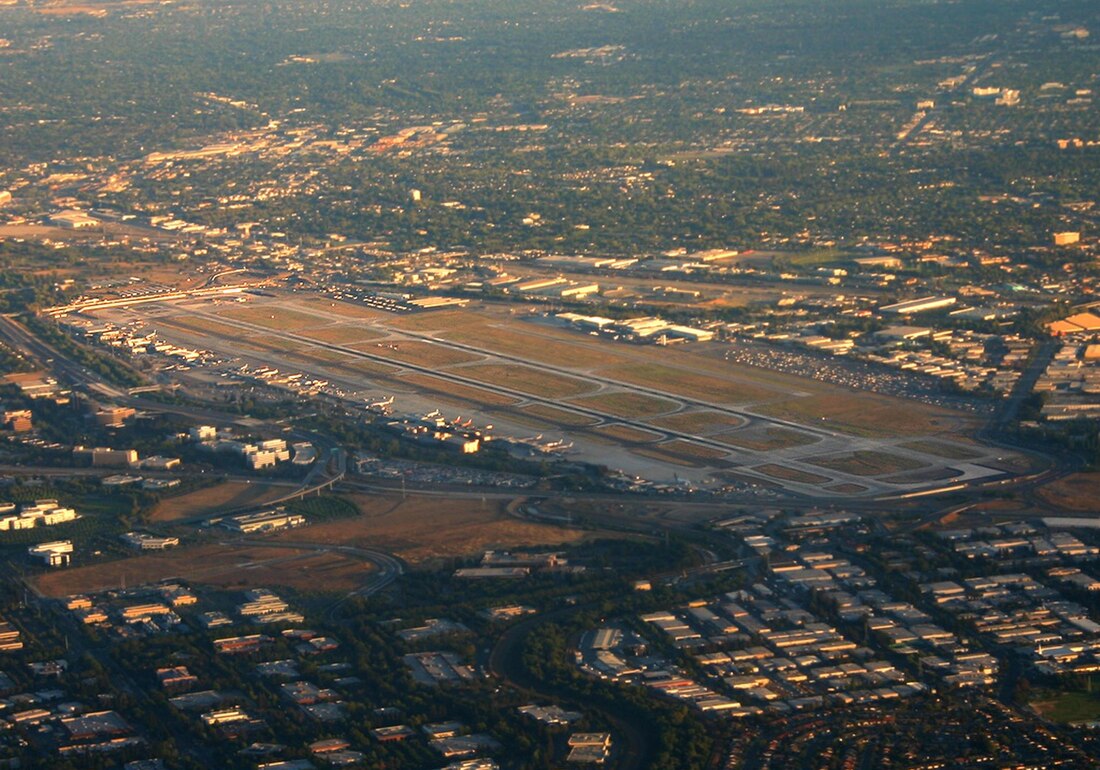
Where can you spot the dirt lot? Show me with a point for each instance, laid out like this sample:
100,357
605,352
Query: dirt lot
424,530
225,566
226,495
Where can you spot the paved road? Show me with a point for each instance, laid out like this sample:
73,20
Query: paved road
1010,407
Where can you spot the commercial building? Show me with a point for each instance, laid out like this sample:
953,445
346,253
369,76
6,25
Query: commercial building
144,542
103,457
265,521
54,554
73,220
44,513
922,305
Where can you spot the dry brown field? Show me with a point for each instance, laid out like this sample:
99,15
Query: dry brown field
344,334
223,496
559,416
659,454
465,392
528,380
699,423
423,530
867,463
346,309
702,387
417,352
1077,492
626,433
866,414
223,566
277,317
626,404
439,320
790,474
940,449
544,347
764,439
362,366
687,449
847,488
200,325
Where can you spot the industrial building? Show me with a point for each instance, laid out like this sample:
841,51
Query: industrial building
265,521
54,554
921,305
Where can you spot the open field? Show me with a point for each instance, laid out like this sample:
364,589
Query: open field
323,306
226,495
940,449
655,452
275,317
528,380
766,439
202,325
866,414
703,387
558,416
343,335
864,463
626,404
790,474
847,489
923,475
359,366
439,320
626,433
534,343
417,352
278,344
1077,492
423,530
681,448
221,565
699,423
467,393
